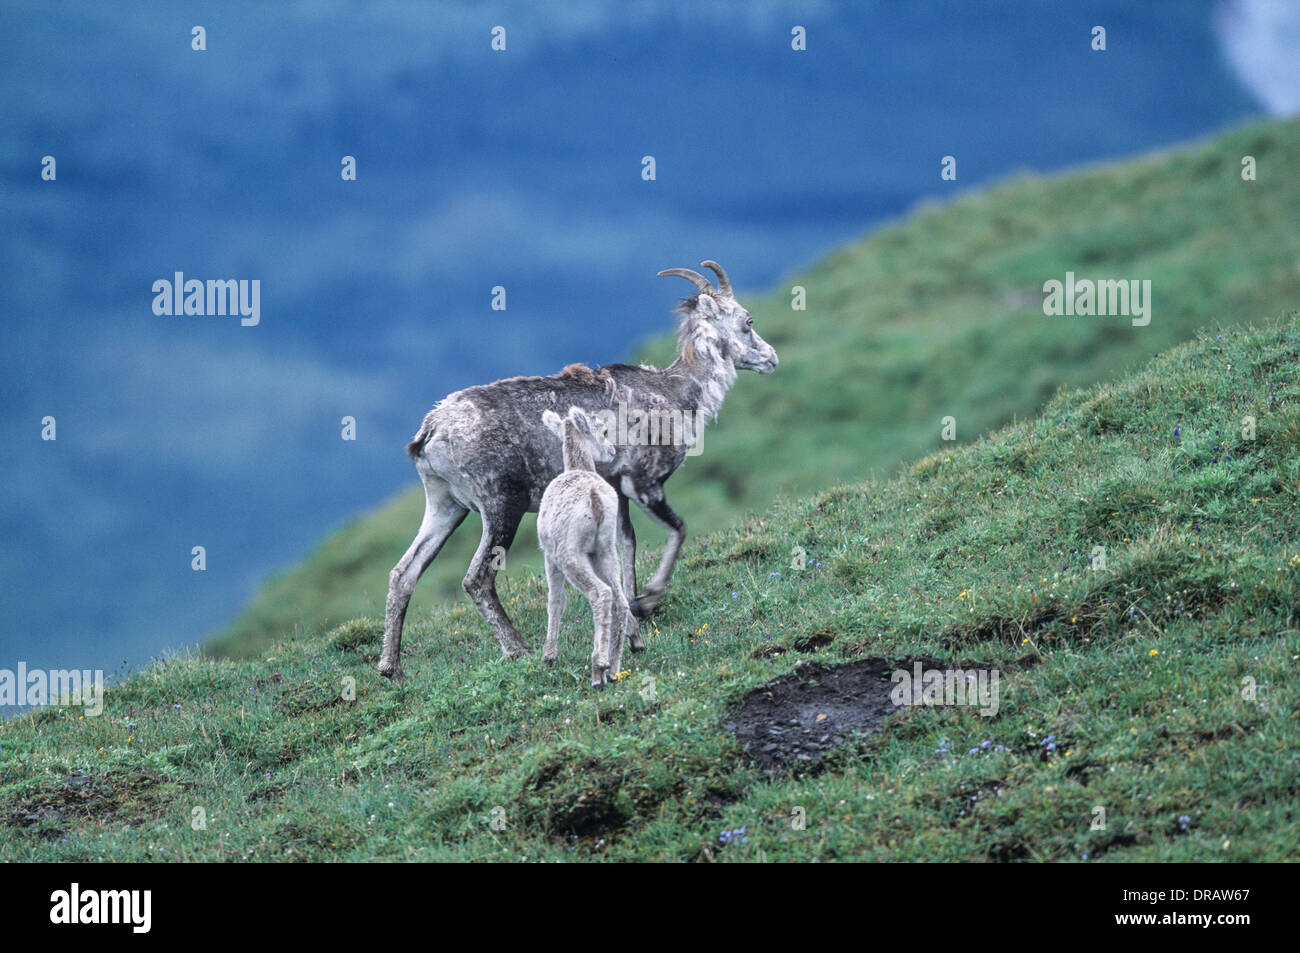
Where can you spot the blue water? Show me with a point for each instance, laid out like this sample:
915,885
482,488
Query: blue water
475,168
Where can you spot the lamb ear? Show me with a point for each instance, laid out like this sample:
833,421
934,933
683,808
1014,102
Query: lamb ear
553,423
580,420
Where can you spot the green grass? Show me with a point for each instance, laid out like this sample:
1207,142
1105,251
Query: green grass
979,553
937,315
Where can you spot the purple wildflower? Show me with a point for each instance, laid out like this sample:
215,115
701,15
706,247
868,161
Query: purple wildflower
726,837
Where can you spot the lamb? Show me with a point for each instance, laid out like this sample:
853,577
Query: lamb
577,528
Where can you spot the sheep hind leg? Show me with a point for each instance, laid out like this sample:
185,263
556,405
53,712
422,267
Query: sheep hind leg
607,565
442,515
555,602
586,580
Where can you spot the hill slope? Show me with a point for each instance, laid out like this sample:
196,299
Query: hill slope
1158,687
938,315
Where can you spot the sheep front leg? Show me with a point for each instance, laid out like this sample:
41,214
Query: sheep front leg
499,526
656,505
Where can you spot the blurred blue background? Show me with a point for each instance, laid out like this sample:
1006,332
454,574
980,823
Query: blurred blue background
475,168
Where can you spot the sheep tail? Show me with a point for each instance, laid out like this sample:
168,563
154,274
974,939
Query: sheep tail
416,446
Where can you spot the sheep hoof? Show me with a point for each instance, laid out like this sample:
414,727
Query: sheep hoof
392,672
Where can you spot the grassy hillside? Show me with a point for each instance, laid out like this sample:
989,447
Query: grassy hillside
938,315
1159,688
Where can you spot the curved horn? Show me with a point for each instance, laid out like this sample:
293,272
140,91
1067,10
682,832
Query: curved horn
724,283
694,277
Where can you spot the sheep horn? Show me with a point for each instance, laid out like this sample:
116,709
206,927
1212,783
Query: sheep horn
694,277
724,283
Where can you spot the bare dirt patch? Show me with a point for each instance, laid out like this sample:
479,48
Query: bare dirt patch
79,799
799,718
592,810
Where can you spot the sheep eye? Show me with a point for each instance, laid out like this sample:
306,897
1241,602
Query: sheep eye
749,322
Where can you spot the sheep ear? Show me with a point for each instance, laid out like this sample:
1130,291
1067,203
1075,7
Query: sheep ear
553,423
707,307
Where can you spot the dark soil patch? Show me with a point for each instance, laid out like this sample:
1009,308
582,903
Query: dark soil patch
592,810
798,719
1006,851
79,798
592,813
